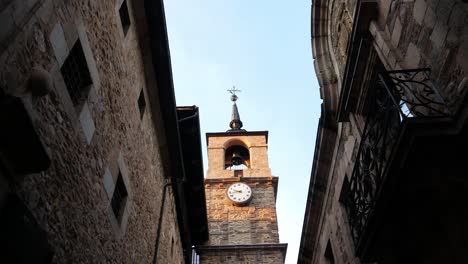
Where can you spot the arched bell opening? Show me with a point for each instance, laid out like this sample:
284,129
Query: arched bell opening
236,158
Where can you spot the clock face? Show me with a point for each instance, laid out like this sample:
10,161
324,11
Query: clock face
239,193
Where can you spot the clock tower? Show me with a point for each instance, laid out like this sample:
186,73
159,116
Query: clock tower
240,198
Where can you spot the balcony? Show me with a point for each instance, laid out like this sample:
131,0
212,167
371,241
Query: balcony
409,129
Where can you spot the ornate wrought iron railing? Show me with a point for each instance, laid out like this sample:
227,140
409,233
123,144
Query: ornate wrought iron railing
397,96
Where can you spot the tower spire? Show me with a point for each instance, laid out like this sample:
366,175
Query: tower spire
236,123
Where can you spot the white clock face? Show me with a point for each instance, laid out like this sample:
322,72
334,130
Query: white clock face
240,193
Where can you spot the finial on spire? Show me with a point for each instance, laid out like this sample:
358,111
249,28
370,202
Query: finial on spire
236,123
233,91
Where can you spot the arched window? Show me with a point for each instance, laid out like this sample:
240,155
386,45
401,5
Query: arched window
236,157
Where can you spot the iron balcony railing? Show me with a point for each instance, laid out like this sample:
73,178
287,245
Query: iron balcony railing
398,96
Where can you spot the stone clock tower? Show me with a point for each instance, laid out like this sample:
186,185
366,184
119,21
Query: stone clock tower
240,198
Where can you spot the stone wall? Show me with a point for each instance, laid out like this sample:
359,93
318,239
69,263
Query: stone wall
258,149
242,256
426,34
255,223
406,35
89,144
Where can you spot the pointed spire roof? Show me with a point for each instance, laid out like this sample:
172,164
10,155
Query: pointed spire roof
236,123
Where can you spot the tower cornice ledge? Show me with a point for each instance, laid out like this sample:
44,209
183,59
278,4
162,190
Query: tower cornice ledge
240,133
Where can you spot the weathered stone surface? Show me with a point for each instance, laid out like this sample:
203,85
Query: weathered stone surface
414,34
257,146
242,257
419,11
71,200
230,225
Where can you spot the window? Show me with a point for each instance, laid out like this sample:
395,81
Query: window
124,17
76,75
344,194
119,197
329,258
141,103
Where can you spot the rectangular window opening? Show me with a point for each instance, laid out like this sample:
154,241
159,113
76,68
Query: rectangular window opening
124,17
76,75
119,197
344,194
330,259
141,103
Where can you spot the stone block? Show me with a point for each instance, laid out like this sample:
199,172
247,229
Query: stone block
443,10
59,45
429,18
452,36
21,10
419,10
433,3
457,17
87,123
396,33
109,184
438,34
413,56
7,23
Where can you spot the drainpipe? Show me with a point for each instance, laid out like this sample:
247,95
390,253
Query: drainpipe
161,212
163,200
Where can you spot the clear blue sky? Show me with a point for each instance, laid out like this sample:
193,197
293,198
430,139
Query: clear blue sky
263,48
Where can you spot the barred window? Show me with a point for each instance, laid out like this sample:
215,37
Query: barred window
124,17
76,75
119,197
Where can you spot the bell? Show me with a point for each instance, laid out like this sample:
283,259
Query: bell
236,159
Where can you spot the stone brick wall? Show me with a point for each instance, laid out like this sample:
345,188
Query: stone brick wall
71,199
243,257
255,223
257,147
406,35
426,33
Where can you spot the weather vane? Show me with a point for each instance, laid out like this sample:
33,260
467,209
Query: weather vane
233,91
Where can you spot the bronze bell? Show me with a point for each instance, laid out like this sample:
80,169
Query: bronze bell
236,159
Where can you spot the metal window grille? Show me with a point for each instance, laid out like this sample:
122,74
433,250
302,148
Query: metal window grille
124,17
141,103
119,196
399,95
76,75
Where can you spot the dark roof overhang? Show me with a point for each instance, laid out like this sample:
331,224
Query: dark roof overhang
172,149
194,188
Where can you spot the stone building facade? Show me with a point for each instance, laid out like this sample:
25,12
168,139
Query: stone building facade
92,164
240,231
388,179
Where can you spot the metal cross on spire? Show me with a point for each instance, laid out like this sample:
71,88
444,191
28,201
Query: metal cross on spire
236,123
233,91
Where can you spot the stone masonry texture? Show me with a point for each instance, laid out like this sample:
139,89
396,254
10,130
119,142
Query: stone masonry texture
243,257
405,35
255,223
232,227
69,199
